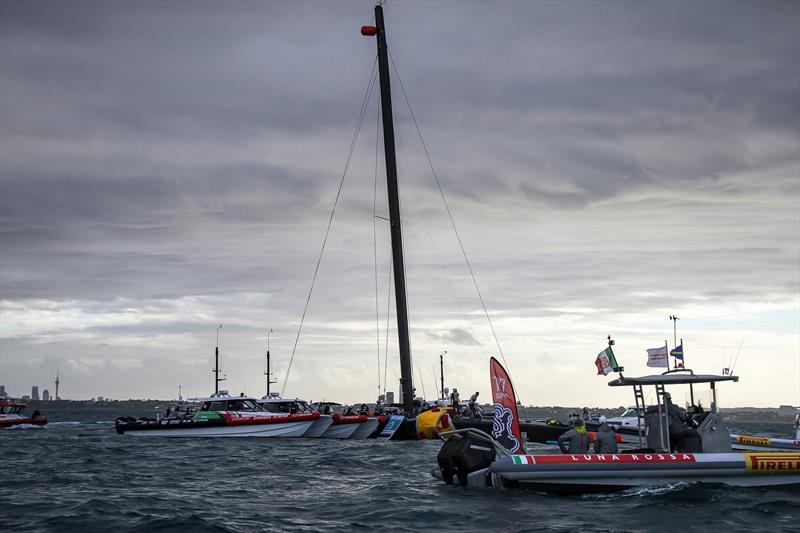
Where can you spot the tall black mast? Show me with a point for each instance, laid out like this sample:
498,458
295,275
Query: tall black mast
406,372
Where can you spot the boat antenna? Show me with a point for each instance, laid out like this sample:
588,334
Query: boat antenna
441,370
267,372
217,379
737,356
406,370
618,368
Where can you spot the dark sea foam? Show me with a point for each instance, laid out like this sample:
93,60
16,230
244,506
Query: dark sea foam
84,477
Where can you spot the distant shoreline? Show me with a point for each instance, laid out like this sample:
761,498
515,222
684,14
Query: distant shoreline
70,410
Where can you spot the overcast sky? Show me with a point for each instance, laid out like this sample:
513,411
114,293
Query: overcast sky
169,166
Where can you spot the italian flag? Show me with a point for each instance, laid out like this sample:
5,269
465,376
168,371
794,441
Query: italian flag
606,362
522,459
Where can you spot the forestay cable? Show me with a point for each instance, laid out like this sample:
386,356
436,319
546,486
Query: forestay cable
449,214
364,105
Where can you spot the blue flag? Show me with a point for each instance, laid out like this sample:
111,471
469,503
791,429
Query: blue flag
677,353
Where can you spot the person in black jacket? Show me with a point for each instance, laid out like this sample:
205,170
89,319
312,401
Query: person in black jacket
605,440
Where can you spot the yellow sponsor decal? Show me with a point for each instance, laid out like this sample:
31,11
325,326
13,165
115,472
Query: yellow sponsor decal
753,441
773,463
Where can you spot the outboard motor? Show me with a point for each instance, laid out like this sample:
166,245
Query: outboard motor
464,454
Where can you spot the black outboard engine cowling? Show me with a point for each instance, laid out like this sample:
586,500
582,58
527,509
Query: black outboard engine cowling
463,454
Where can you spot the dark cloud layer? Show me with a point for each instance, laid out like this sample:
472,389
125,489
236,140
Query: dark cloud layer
167,166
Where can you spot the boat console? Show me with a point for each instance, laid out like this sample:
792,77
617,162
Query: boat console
700,432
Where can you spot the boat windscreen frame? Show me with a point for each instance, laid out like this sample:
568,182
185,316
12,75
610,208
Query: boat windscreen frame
678,376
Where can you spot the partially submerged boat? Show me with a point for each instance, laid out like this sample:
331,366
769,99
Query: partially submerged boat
700,451
11,415
221,416
275,404
345,426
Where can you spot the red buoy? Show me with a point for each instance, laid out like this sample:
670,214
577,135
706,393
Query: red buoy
369,31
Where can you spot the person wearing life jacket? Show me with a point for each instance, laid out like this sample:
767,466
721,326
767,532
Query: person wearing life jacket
576,440
605,440
473,402
454,399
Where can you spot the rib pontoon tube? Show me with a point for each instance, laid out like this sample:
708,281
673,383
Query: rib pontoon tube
592,473
471,458
754,443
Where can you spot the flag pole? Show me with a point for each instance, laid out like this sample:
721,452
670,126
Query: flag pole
619,369
666,347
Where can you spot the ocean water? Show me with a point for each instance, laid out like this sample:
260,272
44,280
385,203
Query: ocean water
83,477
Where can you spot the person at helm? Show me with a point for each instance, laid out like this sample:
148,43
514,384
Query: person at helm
605,440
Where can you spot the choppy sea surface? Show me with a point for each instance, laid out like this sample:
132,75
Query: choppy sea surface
82,476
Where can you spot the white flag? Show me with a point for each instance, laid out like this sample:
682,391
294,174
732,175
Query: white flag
658,357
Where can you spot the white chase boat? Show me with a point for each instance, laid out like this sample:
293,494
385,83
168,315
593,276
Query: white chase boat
275,404
345,426
221,416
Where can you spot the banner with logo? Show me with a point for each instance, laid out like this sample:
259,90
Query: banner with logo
505,428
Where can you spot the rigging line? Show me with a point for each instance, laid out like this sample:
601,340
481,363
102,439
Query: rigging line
409,302
428,231
388,320
364,105
449,213
737,356
375,245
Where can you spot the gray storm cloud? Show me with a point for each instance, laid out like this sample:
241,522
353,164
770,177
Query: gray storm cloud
169,166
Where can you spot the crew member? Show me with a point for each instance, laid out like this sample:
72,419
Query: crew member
576,440
605,440
678,426
473,402
416,404
454,399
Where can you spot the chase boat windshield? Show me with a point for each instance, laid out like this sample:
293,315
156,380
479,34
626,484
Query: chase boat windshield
661,421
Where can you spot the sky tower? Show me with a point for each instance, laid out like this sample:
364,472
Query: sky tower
57,382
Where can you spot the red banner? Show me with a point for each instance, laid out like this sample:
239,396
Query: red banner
505,428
